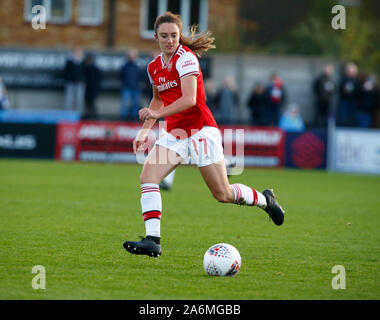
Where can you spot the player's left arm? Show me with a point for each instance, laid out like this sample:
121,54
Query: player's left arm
186,101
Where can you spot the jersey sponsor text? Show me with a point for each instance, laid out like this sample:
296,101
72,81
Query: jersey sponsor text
167,85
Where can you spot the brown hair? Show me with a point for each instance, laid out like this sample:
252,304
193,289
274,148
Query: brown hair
198,44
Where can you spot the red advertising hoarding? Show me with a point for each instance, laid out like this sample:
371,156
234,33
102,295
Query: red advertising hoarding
112,141
263,147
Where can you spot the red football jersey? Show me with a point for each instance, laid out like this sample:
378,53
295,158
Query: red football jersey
167,79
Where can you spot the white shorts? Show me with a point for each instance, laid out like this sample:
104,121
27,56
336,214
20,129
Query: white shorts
202,148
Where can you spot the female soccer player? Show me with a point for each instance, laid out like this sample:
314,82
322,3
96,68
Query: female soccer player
191,134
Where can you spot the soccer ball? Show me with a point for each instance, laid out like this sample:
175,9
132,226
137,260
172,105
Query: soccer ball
222,259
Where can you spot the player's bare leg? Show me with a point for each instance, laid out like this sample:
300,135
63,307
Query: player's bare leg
159,163
215,176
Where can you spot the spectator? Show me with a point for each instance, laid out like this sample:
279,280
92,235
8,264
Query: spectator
291,120
349,90
276,98
73,76
227,101
257,103
211,92
369,100
4,102
324,88
130,76
92,77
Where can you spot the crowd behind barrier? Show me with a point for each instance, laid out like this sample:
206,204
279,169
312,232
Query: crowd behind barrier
276,134
350,97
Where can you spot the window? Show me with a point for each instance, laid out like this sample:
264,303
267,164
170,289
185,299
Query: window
57,11
191,11
90,12
194,12
174,6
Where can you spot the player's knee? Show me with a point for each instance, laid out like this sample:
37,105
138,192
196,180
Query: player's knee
146,178
221,196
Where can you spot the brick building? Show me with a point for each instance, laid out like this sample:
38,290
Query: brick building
107,24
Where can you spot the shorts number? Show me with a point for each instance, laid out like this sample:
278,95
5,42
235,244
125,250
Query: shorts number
200,141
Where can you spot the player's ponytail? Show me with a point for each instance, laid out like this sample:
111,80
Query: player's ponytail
196,43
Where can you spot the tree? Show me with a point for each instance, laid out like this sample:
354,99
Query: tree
308,31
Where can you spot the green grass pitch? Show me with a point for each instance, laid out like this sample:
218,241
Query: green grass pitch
72,218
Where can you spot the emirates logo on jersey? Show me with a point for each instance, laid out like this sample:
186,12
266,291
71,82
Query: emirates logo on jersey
167,85
188,63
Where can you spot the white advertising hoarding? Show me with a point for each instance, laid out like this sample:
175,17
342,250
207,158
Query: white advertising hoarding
357,150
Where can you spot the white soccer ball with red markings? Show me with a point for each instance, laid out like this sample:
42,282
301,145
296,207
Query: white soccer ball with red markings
222,259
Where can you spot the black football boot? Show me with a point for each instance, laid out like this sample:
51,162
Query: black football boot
149,246
274,210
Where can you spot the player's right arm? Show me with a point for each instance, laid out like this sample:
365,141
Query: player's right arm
155,104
